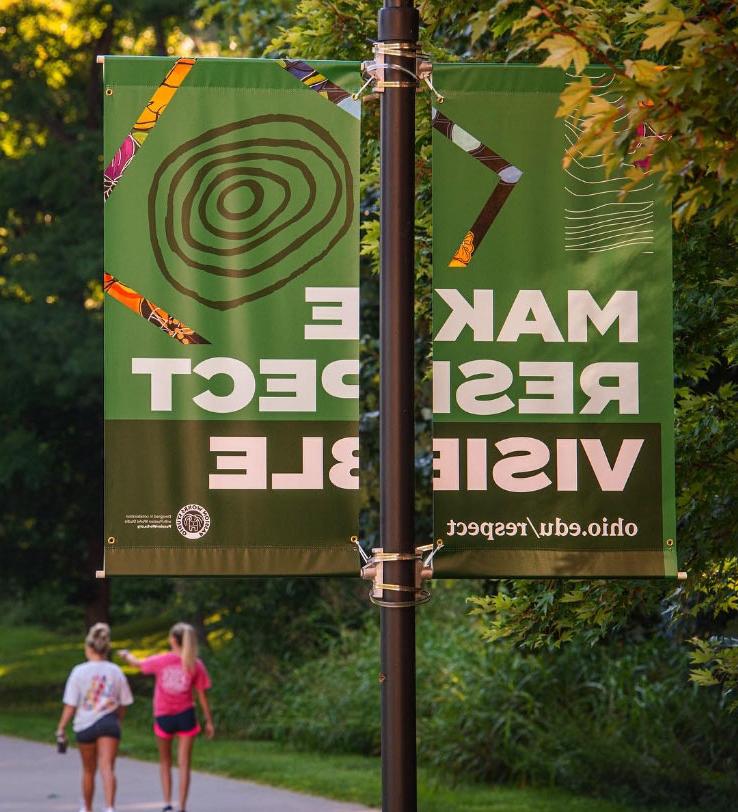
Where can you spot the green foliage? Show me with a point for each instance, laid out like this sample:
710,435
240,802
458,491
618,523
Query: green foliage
50,251
683,88
716,664
331,704
613,720
675,68
547,614
243,28
328,30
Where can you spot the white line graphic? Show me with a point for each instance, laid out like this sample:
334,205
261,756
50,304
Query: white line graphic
608,226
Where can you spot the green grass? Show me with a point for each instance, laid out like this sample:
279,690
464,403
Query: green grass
34,664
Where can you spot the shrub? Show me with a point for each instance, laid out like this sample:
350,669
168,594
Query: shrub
619,720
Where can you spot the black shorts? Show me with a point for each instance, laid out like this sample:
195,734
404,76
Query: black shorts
108,726
179,724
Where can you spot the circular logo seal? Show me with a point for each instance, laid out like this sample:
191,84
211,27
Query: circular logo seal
193,521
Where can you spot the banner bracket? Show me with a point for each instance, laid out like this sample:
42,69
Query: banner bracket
364,556
374,71
425,74
373,570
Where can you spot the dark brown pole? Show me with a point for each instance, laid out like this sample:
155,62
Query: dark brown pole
398,23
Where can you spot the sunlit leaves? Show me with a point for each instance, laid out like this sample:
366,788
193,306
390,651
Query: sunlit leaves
320,30
534,12
687,84
574,97
548,614
642,70
599,116
563,51
669,25
716,664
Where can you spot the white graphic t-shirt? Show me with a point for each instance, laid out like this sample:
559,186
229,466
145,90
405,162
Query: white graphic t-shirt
96,688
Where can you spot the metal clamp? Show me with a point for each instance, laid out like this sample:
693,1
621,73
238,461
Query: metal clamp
374,71
425,74
373,570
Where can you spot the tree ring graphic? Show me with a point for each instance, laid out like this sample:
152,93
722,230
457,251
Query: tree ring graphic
242,209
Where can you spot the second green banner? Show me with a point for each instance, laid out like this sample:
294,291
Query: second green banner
552,356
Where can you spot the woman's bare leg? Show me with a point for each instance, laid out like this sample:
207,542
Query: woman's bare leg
88,753
107,750
165,768
184,763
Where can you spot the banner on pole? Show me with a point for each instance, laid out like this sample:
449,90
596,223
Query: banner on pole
231,316
552,355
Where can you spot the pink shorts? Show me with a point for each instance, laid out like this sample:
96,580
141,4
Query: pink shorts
178,724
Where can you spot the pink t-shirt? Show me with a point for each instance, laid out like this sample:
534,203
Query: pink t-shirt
174,685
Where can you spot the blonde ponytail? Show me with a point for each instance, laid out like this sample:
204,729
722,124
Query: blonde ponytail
98,639
186,638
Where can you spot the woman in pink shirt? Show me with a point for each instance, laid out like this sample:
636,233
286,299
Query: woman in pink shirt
179,675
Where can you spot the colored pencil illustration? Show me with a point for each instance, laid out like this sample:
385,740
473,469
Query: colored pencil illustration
145,123
152,313
122,159
316,81
507,173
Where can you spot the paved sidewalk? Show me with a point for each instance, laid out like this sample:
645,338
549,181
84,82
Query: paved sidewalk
35,778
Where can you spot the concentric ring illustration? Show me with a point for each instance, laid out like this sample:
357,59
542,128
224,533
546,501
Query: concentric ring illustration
242,209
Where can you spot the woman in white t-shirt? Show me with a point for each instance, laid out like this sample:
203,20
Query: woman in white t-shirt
96,695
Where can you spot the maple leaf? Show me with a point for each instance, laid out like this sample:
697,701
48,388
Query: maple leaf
562,51
642,70
659,35
575,95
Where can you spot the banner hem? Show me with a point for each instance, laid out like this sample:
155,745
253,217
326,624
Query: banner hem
550,564
254,561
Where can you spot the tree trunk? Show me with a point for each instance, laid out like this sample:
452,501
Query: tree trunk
161,37
94,86
97,603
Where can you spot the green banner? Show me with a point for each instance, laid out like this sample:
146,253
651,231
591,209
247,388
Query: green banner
231,316
552,355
